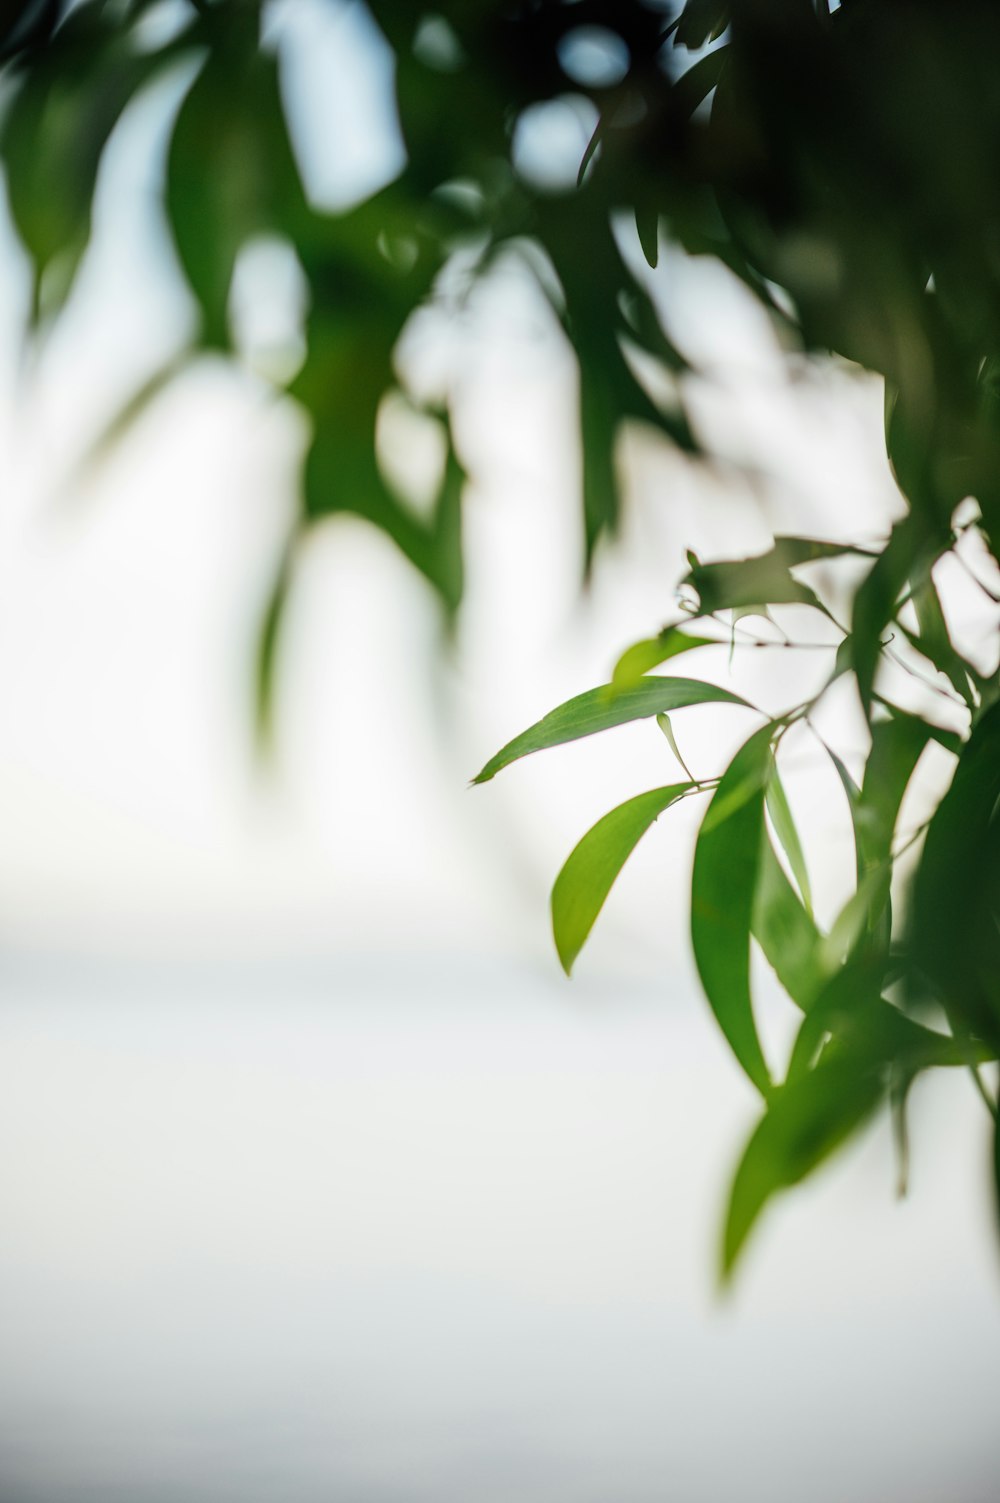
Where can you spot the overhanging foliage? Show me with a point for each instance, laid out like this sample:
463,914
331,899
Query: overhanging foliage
841,162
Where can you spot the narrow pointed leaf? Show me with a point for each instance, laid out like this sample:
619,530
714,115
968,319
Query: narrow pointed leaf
788,835
723,893
592,867
785,931
804,1124
647,228
663,721
602,709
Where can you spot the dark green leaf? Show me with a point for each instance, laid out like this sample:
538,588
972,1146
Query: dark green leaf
934,640
592,867
267,653
603,708
701,21
69,97
231,173
647,228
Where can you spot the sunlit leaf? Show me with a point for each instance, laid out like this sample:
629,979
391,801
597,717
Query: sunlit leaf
651,652
587,877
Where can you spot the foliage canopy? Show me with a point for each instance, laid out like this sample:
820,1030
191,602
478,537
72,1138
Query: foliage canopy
841,162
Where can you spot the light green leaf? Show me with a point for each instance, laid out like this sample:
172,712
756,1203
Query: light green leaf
651,652
723,888
602,709
592,867
663,721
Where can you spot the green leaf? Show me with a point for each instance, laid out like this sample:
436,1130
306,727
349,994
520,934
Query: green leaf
878,597
269,634
647,228
788,835
723,888
69,96
663,721
897,744
933,640
953,935
765,579
996,1166
806,1121
231,173
701,21
590,870
602,709
651,652
785,931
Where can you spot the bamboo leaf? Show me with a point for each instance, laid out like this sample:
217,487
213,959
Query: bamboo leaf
785,931
602,709
804,1124
788,835
663,721
651,652
593,865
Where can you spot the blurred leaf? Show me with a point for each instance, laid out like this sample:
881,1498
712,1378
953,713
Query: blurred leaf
695,85
651,652
267,652
592,867
601,709
68,98
934,640
701,21
231,173
996,1165
805,1122
765,579
953,934
723,888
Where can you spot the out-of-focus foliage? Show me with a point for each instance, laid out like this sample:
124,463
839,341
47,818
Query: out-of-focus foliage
841,162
